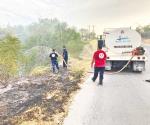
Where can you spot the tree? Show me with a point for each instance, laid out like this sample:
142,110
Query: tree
144,31
10,52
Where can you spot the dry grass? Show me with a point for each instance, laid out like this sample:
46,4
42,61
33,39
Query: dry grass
86,56
53,106
39,70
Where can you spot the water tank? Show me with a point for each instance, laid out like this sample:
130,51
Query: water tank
120,40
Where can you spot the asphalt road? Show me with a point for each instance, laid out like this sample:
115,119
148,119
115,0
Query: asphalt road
124,99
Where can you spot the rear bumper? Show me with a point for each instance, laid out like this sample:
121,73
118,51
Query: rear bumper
127,58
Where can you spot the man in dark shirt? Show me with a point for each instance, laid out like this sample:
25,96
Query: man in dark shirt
54,61
65,57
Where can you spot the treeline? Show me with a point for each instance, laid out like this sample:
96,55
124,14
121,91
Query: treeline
144,31
22,48
86,34
47,32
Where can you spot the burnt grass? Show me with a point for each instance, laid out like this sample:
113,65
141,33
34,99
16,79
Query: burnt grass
37,97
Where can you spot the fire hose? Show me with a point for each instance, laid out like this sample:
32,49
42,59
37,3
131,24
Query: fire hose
63,59
134,52
116,72
110,73
122,67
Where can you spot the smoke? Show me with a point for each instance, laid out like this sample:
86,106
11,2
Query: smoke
79,13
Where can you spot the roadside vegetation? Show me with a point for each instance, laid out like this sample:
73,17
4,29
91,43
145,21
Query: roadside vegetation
29,93
23,48
144,31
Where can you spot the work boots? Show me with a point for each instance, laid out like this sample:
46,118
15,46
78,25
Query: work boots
93,79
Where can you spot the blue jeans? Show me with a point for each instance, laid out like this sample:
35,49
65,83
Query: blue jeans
100,71
54,65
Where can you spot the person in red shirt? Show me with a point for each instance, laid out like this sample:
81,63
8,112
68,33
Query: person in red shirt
99,62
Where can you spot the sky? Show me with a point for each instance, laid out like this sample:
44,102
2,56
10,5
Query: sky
79,13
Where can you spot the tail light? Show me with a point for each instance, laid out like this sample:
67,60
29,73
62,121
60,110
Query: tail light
138,57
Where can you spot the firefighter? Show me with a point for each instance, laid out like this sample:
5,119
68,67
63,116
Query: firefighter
99,62
65,57
54,60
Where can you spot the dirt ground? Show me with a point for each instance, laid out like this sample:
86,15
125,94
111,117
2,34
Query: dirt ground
38,100
146,41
